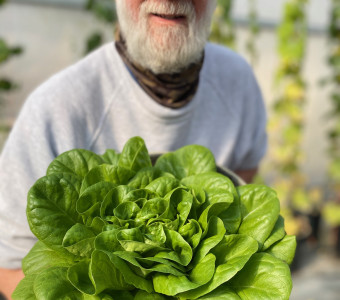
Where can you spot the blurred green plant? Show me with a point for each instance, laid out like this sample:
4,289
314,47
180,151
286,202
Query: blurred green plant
331,210
6,53
223,29
331,213
287,123
105,11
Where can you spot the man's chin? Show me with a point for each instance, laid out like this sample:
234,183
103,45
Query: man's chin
164,61
165,52
165,48
168,39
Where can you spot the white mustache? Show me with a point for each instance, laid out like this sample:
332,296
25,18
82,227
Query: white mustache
182,8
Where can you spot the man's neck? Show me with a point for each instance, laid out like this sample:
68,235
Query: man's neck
170,90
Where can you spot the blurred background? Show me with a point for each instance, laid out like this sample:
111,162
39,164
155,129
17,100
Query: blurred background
294,48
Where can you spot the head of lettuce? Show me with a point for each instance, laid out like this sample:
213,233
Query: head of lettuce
114,226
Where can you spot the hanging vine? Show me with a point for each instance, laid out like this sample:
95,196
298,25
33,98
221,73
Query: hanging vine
254,30
287,122
223,29
332,209
7,52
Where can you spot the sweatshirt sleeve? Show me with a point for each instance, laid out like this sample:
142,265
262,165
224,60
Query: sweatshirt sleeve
63,113
47,125
24,159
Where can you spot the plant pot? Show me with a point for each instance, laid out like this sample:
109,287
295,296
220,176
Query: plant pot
337,242
300,254
314,220
304,252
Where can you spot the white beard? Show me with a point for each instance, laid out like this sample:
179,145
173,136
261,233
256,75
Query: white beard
165,49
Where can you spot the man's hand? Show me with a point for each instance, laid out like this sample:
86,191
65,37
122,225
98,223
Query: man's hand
9,279
247,175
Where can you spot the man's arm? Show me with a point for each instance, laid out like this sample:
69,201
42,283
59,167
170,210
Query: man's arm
9,279
247,175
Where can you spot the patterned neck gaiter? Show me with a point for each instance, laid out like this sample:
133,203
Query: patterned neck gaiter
170,90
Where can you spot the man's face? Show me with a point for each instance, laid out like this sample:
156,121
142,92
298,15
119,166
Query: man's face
165,35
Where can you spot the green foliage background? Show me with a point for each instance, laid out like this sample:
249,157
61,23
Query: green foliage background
331,211
6,84
287,122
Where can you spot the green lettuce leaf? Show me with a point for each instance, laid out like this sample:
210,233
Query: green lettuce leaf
187,161
135,155
263,277
51,208
284,249
53,284
77,162
260,209
24,289
42,257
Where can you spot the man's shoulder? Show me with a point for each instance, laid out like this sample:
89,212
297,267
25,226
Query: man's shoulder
219,49
223,59
226,72
90,68
82,80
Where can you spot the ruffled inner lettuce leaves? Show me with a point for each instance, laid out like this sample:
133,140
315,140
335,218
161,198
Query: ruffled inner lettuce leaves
113,226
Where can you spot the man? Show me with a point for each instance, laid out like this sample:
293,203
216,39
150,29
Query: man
160,80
